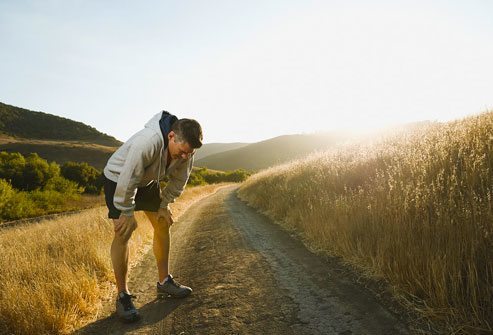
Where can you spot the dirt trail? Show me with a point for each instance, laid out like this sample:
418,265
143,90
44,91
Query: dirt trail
249,277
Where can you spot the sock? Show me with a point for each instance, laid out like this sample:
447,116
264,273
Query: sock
168,277
122,294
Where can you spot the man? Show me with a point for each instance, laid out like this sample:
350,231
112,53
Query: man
165,147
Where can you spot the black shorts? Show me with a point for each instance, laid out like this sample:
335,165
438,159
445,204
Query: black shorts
148,198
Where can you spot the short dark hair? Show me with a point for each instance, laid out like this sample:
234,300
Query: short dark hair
188,130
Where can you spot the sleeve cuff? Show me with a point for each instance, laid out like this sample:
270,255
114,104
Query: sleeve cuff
164,205
129,212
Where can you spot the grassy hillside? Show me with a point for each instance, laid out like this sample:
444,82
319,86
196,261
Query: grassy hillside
53,138
23,123
61,152
414,210
267,153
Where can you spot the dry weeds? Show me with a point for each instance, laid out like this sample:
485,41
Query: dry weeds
415,209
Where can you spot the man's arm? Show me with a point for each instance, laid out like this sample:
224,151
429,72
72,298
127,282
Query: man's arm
174,188
176,184
139,155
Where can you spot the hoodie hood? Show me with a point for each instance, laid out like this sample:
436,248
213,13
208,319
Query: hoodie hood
161,124
165,123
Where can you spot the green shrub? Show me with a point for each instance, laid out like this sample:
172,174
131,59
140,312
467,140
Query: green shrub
203,176
83,174
18,205
11,166
236,176
6,193
62,185
196,179
26,173
30,186
50,201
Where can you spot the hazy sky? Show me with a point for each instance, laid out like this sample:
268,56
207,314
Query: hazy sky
248,70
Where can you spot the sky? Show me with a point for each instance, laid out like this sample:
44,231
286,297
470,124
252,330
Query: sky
248,70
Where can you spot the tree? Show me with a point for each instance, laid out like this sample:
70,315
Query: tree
196,179
37,172
84,175
6,193
12,166
237,176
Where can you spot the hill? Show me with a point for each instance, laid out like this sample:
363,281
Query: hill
53,138
23,123
274,151
214,148
58,151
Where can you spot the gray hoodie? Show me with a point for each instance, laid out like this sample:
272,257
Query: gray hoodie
142,160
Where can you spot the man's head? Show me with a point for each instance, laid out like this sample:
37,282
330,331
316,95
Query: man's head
185,136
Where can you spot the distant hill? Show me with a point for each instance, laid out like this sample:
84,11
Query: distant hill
60,152
267,153
53,138
214,148
23,123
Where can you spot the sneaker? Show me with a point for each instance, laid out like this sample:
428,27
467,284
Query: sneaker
125,308
171,288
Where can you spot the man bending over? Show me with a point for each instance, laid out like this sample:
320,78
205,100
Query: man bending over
165,147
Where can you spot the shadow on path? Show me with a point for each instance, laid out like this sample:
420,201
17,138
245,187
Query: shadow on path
151,313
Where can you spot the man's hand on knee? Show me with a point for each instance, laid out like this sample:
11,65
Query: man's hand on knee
165,215
125,225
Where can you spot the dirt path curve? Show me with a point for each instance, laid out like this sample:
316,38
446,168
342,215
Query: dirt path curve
249,277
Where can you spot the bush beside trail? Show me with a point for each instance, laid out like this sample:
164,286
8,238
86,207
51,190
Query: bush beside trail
30,186
203,176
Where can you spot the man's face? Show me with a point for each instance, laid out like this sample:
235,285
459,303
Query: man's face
178,149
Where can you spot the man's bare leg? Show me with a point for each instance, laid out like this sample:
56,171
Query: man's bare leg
119,258
124,227
119,253
161,244
161,251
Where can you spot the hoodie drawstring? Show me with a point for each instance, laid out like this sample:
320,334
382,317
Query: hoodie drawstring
159,166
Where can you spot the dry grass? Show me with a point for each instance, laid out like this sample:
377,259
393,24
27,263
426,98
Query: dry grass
87,201
415,209
54,275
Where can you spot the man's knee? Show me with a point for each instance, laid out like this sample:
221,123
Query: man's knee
123,239
123,235
161,227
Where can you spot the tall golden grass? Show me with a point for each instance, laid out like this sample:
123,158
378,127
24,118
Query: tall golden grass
54,275
415,209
